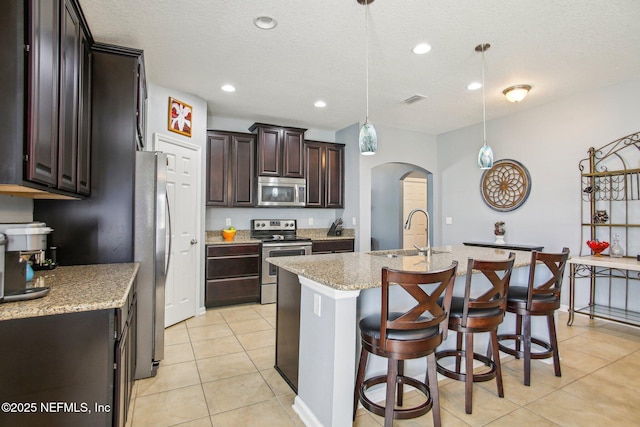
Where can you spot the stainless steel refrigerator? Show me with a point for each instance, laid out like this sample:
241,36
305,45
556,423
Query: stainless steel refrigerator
152,244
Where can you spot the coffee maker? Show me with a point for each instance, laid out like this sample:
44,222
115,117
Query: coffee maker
18,243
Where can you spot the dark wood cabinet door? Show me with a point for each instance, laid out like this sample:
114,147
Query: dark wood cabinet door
269,151
42,104
217,169
334,176
242,169
313,153
293,153
84,118
68,112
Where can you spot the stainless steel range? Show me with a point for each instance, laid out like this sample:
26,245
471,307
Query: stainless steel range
278,239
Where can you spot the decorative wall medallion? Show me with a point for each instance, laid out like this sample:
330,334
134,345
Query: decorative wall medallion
506,186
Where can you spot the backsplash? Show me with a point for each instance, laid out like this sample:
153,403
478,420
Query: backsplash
15,209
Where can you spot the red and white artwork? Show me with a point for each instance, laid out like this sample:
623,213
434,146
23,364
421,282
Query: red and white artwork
180,117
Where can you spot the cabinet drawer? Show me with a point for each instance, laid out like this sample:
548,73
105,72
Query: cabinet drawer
232,291
230,266
332,246
224,250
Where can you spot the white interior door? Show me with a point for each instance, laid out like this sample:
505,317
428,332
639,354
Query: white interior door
183,191
414,191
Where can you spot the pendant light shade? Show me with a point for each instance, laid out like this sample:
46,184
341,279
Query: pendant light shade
368,138
485,155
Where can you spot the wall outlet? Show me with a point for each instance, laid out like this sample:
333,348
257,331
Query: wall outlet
317,304
310,221
448,220
353,221
227,221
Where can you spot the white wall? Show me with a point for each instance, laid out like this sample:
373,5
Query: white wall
549,141
157,122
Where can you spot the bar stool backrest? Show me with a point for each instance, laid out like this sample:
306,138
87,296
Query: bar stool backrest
555,264
427,312
498,273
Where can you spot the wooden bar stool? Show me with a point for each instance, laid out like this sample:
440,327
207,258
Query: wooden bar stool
476,314
402,335
536,299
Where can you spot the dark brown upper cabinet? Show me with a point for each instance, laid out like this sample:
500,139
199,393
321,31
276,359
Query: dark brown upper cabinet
43,52
44,70
324,166
69,101
230,169
280,150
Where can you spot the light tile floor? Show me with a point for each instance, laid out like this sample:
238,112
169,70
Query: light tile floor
218,372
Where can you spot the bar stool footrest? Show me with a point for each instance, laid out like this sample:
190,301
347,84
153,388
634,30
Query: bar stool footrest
479,377
520,353
398,413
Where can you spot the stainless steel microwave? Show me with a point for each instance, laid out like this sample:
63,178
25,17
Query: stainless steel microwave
281,192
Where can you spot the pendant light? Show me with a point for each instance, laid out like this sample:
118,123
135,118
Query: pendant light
485,156
368,138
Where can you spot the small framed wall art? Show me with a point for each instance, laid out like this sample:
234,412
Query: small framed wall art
180,117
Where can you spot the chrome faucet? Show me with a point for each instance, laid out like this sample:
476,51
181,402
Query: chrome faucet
407,225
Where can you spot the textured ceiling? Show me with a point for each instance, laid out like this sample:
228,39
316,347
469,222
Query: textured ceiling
317,52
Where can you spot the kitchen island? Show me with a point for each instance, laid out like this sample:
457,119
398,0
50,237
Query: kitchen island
336,290
68,358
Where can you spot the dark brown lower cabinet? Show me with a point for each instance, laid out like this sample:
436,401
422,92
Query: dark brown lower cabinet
232,274
288,327
72,369
332,246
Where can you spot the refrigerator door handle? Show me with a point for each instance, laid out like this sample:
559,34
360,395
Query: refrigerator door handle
166,270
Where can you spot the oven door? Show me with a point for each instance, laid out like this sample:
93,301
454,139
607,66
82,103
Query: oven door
269,271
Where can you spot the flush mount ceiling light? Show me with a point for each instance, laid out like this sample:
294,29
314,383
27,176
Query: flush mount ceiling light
320,104
228,88
265,22
368,138
474,86
485,155
421,49
516,93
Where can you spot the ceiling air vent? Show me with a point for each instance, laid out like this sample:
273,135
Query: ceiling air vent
413,99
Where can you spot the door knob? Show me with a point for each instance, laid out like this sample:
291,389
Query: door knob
194,241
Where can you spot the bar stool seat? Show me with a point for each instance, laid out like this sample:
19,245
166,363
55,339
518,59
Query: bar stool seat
482,313
403,335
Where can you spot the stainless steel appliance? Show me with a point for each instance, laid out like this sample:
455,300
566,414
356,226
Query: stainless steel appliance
281,192
18,242
278,239
152,249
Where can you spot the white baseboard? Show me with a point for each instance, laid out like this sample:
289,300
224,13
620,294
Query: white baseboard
305,414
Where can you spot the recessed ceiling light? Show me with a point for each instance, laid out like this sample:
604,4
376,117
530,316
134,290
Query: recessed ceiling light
265,22
421,49
320,104
474,86
228,88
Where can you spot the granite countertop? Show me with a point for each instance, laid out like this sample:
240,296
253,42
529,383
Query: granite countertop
361,270
214,237
75,289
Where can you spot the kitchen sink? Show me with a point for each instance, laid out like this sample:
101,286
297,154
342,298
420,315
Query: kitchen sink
404,252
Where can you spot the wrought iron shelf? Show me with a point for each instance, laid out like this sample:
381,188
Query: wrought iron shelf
612,173
611,313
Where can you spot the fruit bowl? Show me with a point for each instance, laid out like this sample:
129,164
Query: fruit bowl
228,235
597,246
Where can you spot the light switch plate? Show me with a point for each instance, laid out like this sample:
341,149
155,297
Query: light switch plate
310,221
317,304
448,220
227,221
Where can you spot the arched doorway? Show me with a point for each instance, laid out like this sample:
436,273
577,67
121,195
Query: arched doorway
388,205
